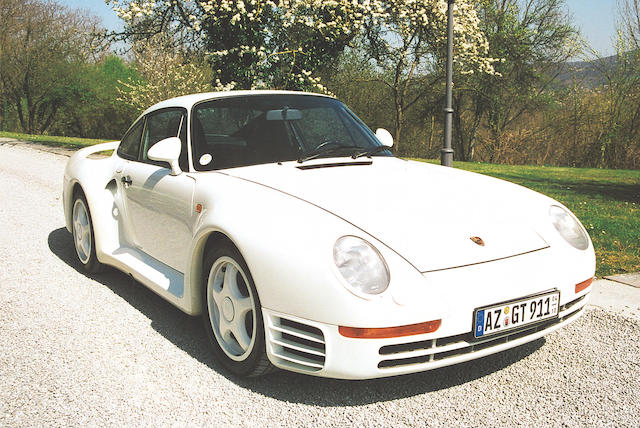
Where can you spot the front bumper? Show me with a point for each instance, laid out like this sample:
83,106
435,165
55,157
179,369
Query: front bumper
318,349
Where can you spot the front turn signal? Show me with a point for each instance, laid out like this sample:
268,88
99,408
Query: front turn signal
388,332
584,284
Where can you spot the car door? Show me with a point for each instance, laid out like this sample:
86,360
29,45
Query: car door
158,205
128,151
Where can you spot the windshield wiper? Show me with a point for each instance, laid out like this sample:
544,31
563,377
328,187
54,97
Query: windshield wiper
371,152
325,148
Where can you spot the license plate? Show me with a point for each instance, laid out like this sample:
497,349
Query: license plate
510,315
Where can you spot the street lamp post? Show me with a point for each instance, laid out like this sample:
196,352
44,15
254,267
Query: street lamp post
446,154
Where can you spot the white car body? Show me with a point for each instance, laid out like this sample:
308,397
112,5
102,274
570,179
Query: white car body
285,219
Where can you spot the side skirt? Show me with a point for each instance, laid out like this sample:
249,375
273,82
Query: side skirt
160,278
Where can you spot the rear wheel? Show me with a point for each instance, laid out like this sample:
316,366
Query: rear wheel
233,316
83,237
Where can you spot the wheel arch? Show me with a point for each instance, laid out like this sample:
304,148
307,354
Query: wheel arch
207,240
100,198
75,188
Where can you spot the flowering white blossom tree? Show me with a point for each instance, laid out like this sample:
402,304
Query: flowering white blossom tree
254,43
285,43
164,73
406,41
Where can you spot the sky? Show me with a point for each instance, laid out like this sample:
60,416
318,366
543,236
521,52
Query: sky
98,8
597,21
595,18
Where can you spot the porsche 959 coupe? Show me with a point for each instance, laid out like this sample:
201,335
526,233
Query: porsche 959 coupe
288,225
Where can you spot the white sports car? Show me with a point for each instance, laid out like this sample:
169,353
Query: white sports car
305,245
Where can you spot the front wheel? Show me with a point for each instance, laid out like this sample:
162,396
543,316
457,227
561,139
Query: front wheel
233,316
83,237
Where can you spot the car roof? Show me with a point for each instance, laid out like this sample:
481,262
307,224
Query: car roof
187,101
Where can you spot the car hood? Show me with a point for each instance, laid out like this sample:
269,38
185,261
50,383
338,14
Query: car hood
426,213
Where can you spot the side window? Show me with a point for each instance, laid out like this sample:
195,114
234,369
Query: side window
183,161
130,144
161,125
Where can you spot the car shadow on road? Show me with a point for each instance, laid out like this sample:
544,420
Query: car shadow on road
186,333
297,388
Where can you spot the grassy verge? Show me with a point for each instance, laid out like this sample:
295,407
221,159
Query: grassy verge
50,140
606,201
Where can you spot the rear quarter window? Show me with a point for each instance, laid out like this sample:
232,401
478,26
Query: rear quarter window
130,144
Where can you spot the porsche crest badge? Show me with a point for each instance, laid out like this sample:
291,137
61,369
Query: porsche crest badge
478,240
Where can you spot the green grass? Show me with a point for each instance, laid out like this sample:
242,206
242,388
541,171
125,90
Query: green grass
50,140
606,201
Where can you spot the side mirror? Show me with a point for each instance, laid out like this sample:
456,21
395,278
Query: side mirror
384,137
167,150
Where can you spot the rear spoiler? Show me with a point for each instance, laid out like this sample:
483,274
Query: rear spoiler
86,151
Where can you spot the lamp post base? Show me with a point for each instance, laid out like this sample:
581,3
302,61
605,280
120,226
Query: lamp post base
446,157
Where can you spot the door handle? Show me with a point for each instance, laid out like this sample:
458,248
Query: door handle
126,181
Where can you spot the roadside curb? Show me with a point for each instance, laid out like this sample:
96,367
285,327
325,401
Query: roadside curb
62,151
632,279
616,296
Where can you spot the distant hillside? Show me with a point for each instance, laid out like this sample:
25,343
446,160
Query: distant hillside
587,73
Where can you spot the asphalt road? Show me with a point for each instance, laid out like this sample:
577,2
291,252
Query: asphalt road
78,350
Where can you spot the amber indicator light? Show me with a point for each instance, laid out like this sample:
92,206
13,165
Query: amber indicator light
198,208
584,284
388,332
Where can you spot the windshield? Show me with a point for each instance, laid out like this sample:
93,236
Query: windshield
258,129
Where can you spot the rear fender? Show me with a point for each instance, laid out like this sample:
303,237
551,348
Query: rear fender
95,177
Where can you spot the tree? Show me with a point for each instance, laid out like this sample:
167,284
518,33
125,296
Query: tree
619,136
353,79
356,80
532,38
164,72
38,59
629,27
98,113
252,43
407,40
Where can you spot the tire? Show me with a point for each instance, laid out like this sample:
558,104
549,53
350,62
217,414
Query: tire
83,236
232,313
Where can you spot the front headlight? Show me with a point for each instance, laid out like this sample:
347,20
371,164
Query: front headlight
361,266
568,227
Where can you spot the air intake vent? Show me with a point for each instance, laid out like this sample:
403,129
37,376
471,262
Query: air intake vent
296,345
431,351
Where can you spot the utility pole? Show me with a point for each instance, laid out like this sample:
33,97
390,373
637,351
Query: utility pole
446,154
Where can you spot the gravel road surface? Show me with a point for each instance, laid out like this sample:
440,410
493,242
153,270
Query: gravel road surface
78,350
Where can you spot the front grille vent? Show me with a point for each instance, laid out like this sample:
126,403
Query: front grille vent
426,351
296,345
